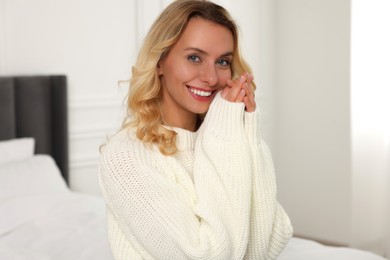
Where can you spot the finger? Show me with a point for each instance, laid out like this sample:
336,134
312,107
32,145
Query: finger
249,100
241,95
249,90
234,92
249,79
230,83
250,105
224,92
249,76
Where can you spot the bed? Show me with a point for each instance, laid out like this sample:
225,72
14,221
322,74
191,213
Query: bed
40,217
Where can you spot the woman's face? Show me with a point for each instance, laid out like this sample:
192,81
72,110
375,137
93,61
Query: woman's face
196,67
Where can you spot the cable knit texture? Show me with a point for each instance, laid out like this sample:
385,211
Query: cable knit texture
214,199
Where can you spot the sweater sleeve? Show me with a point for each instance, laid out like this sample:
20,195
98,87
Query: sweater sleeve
154,215
270,226
221,154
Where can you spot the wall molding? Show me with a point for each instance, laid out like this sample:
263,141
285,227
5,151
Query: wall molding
92,103
100,113
84,162
91,132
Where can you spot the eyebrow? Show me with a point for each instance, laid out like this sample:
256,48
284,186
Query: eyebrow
205,53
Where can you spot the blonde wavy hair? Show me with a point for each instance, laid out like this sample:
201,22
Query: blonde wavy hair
143,101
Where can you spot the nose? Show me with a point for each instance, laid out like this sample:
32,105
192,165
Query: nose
209,74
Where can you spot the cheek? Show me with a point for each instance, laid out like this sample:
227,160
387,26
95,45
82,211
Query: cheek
224,76
183,73
176,70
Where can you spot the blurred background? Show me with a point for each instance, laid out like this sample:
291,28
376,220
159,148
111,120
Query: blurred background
322,70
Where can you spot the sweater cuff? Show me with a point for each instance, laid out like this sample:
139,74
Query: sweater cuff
225,118
250,122
282,232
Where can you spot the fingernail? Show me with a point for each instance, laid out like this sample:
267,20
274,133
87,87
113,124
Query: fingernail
223,93
242,78
242,92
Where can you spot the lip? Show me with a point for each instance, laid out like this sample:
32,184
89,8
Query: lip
201,98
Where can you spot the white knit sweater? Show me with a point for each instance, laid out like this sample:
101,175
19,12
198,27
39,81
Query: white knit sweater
214,199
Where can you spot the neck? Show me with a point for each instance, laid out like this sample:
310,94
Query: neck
180,119
176,120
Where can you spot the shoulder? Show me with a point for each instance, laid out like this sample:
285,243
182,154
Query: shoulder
125,136
126,159
125,148
121,141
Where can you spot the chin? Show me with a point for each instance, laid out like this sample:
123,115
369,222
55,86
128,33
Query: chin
201,109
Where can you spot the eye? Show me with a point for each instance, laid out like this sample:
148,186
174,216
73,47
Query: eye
193,58
224,63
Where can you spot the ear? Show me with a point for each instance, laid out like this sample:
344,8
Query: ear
159,69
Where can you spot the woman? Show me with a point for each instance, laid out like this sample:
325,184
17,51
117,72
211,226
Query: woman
187,176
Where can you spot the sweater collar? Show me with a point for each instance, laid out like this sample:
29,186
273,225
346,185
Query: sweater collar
185,139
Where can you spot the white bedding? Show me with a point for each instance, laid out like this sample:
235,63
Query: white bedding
62,225
303,249
68,225
41,219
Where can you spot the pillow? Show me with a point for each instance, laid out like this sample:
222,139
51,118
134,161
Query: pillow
16,149
33,175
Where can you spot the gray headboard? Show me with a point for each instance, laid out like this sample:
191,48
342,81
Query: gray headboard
36,106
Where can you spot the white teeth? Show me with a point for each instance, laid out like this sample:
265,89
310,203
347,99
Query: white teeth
201,93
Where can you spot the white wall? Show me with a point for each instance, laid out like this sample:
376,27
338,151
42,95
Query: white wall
94,44
312,151
331,148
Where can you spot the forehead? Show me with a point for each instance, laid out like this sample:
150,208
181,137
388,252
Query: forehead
208,36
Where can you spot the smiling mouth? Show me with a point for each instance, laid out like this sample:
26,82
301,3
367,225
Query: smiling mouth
201,93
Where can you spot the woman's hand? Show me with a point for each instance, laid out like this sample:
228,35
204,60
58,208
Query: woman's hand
241,90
